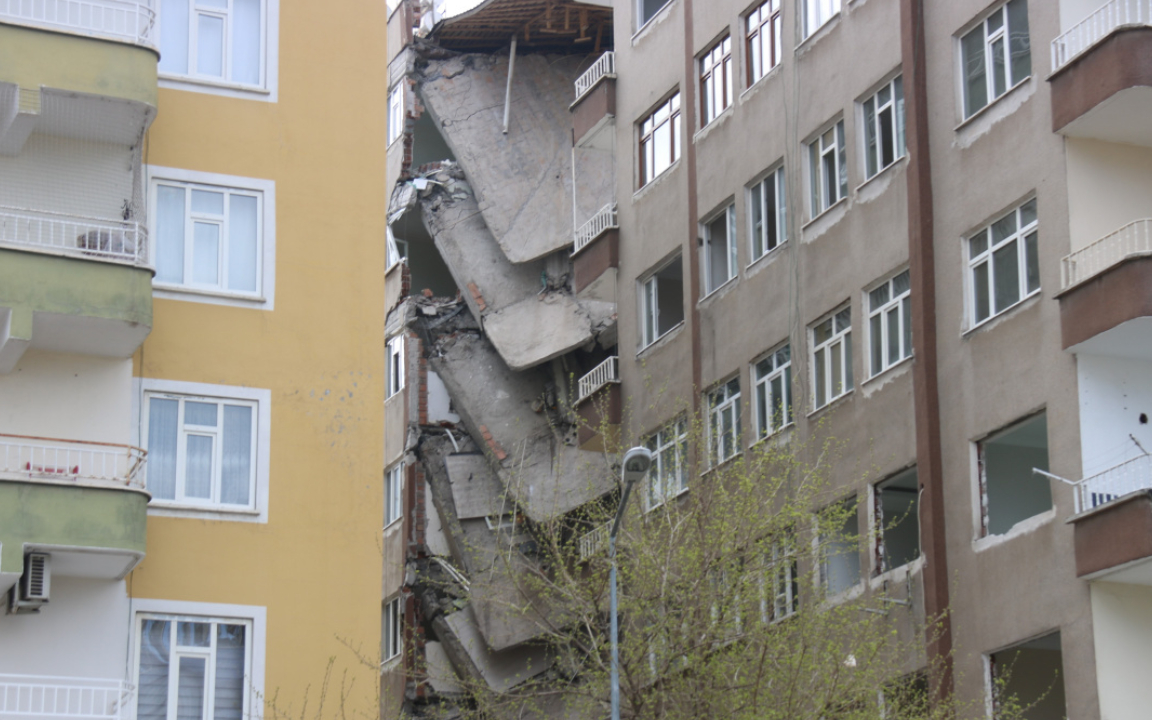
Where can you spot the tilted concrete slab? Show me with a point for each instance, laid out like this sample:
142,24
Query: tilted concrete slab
471,656
476,490
546,476
538,329
523,179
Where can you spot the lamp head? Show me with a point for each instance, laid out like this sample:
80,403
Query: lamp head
636,464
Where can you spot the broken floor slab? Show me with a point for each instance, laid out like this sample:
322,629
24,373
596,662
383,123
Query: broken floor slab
475,488
472,658
523,178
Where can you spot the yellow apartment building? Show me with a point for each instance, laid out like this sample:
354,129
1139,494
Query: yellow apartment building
192,224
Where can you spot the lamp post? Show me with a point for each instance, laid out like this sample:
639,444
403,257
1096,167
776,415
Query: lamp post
636,464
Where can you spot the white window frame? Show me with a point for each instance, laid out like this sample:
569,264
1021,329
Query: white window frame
887,304
266,90
779,596
729,251
649,304
838,342
253,617
396,112
887,100
994,28
265,190
763,35
824,540
817,13
828,146
715,92
261,401
393,494
723,405
777,372
395,362
641,21
759,233
668,475
668,112
393,645
982,251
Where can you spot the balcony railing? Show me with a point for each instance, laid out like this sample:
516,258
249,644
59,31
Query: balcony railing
594,540
123,20
604,373
1133,239
1097,26
1127,477
32,696
604,219
123,240
605,66
25,457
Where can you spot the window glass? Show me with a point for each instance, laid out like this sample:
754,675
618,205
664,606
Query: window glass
1003,262
995,55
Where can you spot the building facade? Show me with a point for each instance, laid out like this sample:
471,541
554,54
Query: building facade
191,400
917,228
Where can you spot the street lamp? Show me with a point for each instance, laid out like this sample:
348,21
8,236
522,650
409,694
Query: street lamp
636,464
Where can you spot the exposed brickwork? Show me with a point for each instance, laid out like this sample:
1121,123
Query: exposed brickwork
495,446
477,296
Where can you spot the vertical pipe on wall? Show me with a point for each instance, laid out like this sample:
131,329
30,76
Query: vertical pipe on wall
508,87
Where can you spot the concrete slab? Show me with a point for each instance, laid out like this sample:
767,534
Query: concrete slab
469,654
523,179
476,490
538,329
441,676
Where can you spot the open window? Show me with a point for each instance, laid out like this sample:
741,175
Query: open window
895,507
1009,491
840,556
1029,675
662,301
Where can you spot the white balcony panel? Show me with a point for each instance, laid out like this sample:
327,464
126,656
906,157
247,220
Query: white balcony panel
124,20
23,697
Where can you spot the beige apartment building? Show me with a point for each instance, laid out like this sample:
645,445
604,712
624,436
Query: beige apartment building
919,228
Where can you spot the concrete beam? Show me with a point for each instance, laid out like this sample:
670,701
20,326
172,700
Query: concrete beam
471,657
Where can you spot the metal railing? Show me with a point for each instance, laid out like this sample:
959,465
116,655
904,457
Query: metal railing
98,238
124,20
26,457
33,696
1135,238
605,66
604,373
1094,28
1127,477
594,540
604,219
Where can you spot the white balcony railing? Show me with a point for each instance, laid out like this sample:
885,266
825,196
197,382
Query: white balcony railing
594,540
604,373
25,457
605,66
604,219
124,240
1133,239
32,696
1127,477
123,20
1094,28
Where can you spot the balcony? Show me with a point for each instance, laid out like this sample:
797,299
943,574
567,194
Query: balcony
120,20
599,405
594,109
63,698
595,540
1105,296
1102,75
83,502
595,251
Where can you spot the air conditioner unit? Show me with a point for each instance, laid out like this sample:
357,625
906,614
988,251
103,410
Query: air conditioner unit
36,578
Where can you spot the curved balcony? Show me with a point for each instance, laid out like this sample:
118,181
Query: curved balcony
121,20
63,698
84,237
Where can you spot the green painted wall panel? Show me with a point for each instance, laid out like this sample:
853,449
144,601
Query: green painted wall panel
76,516
72,286
31,58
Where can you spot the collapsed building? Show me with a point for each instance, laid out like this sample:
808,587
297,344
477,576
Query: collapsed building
501,339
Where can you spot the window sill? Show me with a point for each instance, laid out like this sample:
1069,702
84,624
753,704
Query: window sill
715,293
650,22
191,294
778,437
748,91
666,501
824,213
660,341
715,122
643,189
1025,527
984,110
719,466
392,524
887,371
205,512
216,87
850,593
763,259
883,171
992,320
898,574
818,33
834,402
